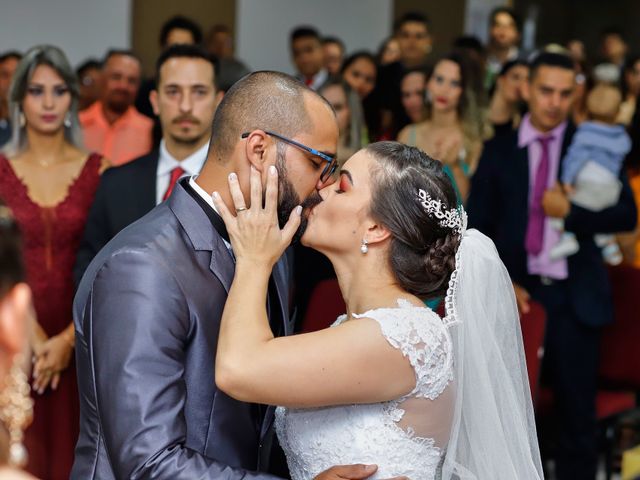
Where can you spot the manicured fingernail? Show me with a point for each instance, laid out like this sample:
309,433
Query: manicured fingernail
370,468
272,170
253,169
233,176
299,209
215,195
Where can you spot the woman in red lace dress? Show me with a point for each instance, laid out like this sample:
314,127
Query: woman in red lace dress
49,183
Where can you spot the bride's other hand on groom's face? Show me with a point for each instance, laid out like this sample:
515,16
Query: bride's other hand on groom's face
351,472
255,234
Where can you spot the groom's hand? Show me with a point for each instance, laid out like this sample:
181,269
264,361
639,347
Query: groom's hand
351,472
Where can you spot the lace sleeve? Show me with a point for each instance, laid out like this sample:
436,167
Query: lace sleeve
423,339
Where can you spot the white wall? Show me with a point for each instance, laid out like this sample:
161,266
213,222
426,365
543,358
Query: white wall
263,27
82,28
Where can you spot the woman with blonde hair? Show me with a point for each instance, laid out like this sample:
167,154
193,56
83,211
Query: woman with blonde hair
49,182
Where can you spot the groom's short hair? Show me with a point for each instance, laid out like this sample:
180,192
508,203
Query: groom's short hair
263,100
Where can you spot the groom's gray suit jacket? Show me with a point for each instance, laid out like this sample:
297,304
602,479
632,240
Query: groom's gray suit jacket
147,315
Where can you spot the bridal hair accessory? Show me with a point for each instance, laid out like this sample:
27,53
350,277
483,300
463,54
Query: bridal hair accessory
455,218
16,412
364,247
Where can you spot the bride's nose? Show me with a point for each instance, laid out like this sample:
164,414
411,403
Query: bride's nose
324,192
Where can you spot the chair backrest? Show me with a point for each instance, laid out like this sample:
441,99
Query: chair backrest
325,305
620,347
533,326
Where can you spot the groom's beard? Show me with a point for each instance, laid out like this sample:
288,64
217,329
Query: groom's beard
289,199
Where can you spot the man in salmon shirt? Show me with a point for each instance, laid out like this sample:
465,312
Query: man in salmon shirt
112,126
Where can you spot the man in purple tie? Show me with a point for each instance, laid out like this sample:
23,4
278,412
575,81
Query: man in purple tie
514,195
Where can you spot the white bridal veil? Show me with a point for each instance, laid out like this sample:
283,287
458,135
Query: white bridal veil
493,436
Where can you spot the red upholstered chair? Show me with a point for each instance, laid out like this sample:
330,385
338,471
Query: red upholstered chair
533,325
620,348
619,374
325,304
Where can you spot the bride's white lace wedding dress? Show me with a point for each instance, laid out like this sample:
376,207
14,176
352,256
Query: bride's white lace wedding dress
407,436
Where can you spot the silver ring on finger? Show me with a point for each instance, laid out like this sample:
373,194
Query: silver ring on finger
240,209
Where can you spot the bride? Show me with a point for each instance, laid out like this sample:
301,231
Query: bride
390,383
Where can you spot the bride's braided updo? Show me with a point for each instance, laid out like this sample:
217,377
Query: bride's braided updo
422,252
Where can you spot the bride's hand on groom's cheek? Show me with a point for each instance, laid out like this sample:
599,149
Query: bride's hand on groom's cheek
254,231
351,472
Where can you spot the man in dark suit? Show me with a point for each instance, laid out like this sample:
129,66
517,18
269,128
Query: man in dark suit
514,194
185,101
147,311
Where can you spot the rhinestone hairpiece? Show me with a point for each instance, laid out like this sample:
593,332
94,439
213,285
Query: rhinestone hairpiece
454,218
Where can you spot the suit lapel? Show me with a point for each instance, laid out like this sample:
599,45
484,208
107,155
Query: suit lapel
202,234
566,142
222,264
145,184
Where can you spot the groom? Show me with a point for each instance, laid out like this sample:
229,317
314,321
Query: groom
148,308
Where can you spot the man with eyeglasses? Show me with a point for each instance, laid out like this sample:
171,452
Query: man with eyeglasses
148,309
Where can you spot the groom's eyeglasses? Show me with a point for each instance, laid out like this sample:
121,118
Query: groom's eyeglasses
329,168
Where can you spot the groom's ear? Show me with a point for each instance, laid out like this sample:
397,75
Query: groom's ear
256,145
377,233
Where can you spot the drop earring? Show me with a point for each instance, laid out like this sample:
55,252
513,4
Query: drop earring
22,120
364,247
67,120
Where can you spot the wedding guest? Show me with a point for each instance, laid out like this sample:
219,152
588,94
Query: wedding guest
230,69
349,141
16,407
504,37
219,42
389,52
185,102
630,90
177,30
592,166
8,63
333,50
577,50
308,58
360,72
452,128
413,33
472,49
413,89
514,197
49,181
90,77
613,46
507,100
112,126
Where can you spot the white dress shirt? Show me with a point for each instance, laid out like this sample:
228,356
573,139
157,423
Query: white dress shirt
207,198
166,163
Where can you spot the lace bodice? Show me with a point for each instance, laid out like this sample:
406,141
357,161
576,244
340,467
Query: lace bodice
406,436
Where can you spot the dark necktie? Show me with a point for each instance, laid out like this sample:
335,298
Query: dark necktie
176,173
535,227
